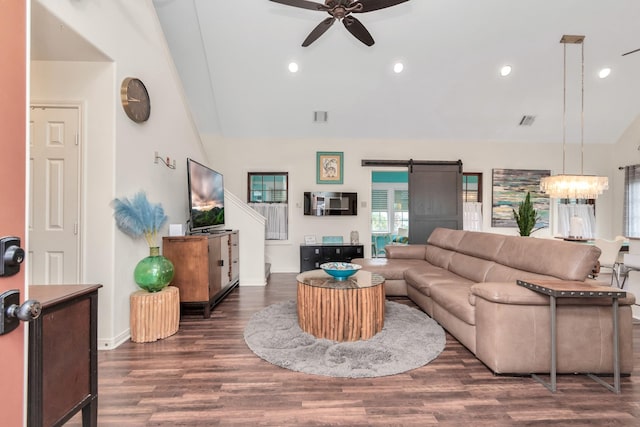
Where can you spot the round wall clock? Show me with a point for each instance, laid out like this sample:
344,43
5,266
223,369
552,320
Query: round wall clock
135,99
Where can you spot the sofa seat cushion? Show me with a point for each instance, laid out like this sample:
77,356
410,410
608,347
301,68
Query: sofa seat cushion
389,270
427,275
454,298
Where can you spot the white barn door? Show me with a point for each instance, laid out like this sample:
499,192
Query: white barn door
54,208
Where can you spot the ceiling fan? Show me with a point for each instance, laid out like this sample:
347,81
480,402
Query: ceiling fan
633,51
341,10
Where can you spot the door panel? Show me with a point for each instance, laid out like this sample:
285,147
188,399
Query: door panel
435,199
13,122
54,213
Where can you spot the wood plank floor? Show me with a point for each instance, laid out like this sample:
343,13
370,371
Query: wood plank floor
205,375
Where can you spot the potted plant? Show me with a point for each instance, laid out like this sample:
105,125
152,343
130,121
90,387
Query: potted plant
137,217
526,216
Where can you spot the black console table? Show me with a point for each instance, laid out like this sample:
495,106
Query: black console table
311,256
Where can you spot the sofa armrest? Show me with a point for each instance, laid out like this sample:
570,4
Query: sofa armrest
507,293
511,293
406,251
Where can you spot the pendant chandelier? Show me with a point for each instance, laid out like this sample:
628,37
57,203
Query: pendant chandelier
573,186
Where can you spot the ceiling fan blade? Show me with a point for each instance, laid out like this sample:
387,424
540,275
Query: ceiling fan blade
356,28
304,4
370,5
633,51
318,31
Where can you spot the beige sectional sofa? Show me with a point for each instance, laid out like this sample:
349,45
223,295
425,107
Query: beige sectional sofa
467,282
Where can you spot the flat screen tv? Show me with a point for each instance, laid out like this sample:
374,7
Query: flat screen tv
206,198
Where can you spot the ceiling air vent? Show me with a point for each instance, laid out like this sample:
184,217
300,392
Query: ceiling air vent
527,120
320,116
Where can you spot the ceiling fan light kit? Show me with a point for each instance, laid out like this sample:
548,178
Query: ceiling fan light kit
573,186
341,10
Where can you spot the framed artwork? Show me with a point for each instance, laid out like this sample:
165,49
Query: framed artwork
329,167
510,186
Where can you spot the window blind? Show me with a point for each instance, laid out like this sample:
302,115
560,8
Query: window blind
379,201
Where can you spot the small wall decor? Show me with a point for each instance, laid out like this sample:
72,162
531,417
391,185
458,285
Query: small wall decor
510,186
329,167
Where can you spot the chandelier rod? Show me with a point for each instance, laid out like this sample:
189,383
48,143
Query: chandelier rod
582,113
564,107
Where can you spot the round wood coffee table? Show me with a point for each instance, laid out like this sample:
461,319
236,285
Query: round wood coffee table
341,310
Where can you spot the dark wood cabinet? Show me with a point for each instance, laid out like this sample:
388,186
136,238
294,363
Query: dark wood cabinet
207,267
311,256
63,355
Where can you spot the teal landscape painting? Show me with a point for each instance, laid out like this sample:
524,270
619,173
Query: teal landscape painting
510,187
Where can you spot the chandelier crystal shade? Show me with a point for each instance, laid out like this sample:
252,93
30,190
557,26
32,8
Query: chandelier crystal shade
573,186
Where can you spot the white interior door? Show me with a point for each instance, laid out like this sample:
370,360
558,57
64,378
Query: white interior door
55,195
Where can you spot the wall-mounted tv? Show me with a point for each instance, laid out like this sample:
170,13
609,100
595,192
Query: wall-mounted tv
323,203
206,198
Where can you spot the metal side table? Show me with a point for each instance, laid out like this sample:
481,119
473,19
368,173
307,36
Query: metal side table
575,289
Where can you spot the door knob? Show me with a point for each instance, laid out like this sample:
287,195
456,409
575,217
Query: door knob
28,311
12,312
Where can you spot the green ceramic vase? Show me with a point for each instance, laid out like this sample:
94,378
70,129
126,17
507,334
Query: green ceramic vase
154,272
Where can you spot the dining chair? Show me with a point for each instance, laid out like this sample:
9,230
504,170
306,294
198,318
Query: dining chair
609,256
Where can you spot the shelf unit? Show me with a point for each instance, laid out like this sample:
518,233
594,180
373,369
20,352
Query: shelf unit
311,256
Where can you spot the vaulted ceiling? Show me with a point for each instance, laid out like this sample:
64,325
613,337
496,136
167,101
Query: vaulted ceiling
233,57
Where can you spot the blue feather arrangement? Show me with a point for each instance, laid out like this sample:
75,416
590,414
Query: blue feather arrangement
137,217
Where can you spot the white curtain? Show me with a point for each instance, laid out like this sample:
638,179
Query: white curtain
277,219
472,216
585,212
631,212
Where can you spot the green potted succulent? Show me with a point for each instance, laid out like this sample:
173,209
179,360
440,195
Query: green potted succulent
136,218
526,216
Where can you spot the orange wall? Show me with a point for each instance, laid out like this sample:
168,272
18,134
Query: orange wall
13,105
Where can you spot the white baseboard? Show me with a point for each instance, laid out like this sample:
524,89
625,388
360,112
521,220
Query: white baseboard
257,283
111,343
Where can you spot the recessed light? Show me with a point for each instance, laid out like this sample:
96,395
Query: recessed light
398,67
604,73
505,70
293,67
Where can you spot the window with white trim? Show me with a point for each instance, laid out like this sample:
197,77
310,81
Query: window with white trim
268,194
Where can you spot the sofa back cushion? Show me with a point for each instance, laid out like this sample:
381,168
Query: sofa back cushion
502,273
438,256
446,238
405,251
471,267
564,260
545,257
